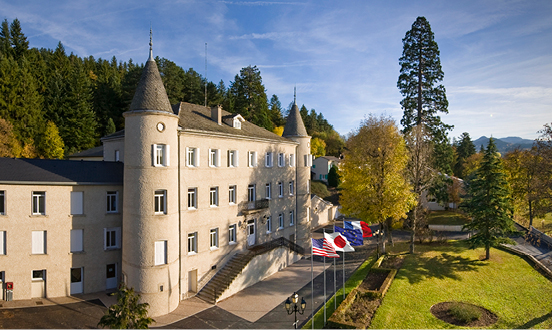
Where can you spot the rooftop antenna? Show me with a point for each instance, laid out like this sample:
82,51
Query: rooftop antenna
150,44
294,94
205,74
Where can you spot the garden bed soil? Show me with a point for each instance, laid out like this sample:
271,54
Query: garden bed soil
441,311
362,310
373,281
393,262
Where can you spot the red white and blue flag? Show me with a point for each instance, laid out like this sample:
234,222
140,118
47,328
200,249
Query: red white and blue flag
321,247
358,225
354,236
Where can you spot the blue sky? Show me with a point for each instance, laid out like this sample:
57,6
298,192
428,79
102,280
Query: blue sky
341,55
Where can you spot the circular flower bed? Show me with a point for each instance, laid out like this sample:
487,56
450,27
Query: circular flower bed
463,314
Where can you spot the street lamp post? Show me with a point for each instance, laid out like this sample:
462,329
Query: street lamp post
294,309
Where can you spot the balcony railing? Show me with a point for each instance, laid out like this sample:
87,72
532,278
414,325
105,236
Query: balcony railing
254,206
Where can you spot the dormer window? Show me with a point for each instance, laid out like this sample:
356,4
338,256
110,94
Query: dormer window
234,121
237,123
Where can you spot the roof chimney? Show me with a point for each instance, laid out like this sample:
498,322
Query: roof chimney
216,114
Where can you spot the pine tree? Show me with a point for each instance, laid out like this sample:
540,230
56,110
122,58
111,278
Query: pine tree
464,149
249,97
5,39
333,177
489,203
276,111
19,42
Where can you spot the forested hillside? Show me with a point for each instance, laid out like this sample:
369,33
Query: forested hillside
53,104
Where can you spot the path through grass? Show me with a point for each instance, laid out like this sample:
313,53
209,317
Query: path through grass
506,285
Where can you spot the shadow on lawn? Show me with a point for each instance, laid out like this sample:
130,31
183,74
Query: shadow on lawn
534,322
441,266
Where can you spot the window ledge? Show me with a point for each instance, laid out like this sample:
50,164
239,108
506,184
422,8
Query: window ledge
38,216
192,208
112,213
111,249
192,253
232,243
78,215
214,248
268,232
77,252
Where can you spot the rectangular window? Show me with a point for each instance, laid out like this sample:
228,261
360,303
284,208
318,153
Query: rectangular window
232,234
268,159
232,158
291,184
160,200
38,275
280,221
291,160
192,198
39,242
112,238
251,193
280,189
192,157
281,160
2,202
214,158
39,203
268,224
291,217
117,155
160,253
267,190
252,156
2,243
76,240
232,195
112,202
308,160
76,202
213,238
213,196
192,243
160,154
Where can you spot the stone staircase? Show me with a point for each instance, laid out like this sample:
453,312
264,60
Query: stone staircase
226,275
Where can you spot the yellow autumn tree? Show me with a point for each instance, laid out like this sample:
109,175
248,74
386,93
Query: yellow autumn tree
279,130
318,147
52,143
375,187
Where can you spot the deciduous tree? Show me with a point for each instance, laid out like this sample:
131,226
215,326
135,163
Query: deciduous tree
127,313
373,172
318,147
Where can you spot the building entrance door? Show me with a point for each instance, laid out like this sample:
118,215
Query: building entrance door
76,280
251,232
192,280
111,276
38,285
1,285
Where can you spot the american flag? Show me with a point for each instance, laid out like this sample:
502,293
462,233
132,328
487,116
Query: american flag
320,247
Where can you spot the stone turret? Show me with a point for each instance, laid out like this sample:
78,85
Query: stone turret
295,130
150,249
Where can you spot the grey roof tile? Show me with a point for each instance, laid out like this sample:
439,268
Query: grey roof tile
150,93
294,124
92,152
25,170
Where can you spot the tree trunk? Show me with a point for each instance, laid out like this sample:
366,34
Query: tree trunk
413,234
487,252
530,214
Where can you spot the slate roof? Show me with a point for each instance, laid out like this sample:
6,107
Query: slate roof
115,135
150,93
294,124
92,152
55,171
198,118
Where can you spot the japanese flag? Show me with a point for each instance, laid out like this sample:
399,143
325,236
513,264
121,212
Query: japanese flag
338,242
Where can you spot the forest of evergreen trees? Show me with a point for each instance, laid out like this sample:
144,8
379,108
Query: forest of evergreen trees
53,104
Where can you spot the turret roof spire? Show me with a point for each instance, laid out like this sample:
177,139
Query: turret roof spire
150,93
294,124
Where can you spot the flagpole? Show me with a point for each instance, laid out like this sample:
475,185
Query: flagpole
324,231
343,275
312,283
335,280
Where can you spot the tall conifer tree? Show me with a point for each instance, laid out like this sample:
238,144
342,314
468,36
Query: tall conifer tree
489,203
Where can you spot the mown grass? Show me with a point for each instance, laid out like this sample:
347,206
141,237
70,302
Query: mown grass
320,189
446,218
354,280
506,285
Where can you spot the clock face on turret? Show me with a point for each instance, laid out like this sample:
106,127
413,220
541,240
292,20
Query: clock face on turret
160,127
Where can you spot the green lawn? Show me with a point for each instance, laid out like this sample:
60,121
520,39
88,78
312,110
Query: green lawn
544,225
446,218
506,285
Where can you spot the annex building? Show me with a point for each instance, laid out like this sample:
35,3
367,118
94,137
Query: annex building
180,194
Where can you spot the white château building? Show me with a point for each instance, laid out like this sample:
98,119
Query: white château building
182,193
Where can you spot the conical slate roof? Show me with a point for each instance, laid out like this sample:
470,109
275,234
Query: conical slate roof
150,93
294,125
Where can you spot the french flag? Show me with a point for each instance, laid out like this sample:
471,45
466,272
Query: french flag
358,225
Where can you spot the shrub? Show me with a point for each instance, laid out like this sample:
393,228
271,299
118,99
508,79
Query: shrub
465,312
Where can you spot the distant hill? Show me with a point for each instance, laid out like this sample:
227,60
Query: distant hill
504,144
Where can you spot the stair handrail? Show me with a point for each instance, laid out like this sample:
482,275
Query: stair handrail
212,272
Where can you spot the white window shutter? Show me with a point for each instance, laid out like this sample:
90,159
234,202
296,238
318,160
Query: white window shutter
153,158
167,155
197,157
38,239
77,202
160,252
76,240
218,158
2,242
237,158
